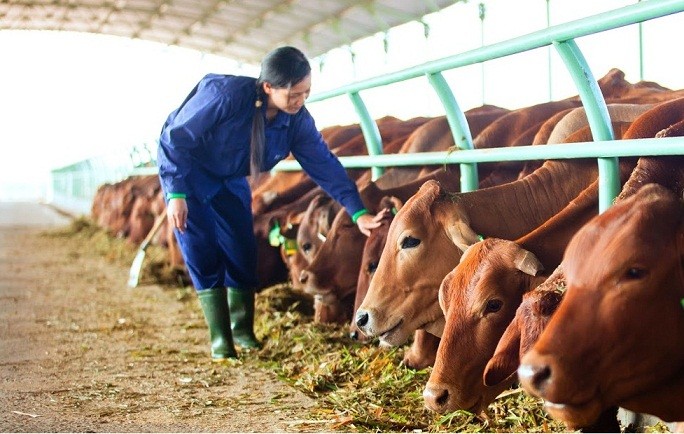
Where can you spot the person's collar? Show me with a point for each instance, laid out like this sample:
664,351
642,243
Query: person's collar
281,119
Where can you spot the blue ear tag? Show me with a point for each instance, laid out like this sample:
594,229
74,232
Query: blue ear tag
274,236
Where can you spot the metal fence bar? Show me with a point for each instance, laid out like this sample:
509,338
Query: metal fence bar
621,17
459,128
600,149
597,115
370,131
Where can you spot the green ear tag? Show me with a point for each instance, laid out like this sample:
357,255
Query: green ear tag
274,236
290,246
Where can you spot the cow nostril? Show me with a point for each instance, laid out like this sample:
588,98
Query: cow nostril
436,399
354,335
541,376
361,319
303,276
536,375
442,398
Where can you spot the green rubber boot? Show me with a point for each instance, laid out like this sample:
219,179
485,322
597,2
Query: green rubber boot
241,304
214,304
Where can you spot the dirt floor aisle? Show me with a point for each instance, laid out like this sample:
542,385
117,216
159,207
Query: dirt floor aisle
82,352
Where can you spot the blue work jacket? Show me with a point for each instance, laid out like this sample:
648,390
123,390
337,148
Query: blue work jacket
206,142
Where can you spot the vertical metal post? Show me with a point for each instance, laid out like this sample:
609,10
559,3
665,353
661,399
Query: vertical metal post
641,49
597,115
481,9
548,49
459,128
370,131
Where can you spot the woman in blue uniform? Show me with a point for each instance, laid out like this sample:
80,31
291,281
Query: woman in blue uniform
227,128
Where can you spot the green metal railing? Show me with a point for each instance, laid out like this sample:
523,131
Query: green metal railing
562,38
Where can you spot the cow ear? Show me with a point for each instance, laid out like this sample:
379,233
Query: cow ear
462,235
526,262
324,219
295,219
396,204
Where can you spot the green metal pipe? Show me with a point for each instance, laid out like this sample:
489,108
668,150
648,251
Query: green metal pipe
597,23
370,130
598,149
459,128
563,151
597,115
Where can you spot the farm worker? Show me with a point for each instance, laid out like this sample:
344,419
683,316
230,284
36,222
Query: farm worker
227,128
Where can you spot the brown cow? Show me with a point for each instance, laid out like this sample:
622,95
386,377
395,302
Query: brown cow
623,114
538,305
440,217
503,130
489,283
434,226
312,226
333,274
618,336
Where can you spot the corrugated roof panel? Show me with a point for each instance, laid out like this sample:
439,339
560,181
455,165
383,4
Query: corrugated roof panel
241,29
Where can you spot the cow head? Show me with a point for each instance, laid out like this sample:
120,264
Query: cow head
424,243
313,227
479,299
331,276
370,258
619,332
531,317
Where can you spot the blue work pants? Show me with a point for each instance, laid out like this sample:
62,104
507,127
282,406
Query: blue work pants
219,246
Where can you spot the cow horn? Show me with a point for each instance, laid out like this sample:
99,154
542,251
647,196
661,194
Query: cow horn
526,262
462,235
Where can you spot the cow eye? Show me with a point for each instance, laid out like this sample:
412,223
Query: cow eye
306,247
409,242
372,266
635,273
493,306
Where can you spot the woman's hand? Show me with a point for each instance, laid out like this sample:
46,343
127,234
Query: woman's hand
177,213
367,222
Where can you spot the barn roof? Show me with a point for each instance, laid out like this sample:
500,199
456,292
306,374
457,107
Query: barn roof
243,30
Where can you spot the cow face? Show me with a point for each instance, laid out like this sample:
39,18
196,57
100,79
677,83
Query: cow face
421,249
314,225
372,250
619,331
479,299
531,317
333,273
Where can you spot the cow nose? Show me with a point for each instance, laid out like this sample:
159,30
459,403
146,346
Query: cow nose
361,319
534,376
303,276
436,398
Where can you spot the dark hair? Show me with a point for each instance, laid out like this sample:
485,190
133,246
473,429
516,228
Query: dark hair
281,68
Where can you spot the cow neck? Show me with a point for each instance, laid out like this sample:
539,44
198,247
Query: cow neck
512,210
549,240
666,171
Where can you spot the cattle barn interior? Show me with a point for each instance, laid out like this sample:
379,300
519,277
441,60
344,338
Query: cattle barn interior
404,163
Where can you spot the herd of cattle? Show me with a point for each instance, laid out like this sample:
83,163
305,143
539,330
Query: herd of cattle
519,281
